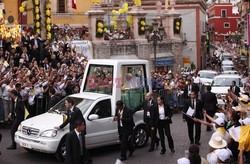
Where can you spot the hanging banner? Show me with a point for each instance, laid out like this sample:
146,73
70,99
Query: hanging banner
248,29
83,47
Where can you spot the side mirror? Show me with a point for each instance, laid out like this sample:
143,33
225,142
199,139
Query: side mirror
93,117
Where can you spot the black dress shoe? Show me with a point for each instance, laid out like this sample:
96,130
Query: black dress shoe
198,143
163,151
11,147
150,150
172,150
123,158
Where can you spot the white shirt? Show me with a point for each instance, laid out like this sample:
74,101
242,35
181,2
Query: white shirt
196,80
212,158
6,92
77,133
71,109
161,112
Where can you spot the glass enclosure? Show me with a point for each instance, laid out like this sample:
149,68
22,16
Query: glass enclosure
133,87
99,79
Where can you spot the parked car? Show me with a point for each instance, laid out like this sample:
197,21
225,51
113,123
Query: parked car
103,84
230,72
221,84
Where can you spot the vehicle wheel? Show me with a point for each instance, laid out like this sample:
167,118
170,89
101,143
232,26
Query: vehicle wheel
29,150
140,136
61,150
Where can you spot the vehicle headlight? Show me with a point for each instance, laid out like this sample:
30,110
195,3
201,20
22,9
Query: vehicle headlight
20,128
49,133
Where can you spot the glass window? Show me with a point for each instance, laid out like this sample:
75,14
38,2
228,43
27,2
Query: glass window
99,79
61,6
226,25
134,85
225,82
207,75
82,104
102,109
223,13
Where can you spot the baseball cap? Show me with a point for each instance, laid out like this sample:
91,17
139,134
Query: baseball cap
219,121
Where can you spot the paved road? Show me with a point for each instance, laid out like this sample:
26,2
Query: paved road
108,155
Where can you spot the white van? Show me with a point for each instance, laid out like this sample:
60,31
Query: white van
104,82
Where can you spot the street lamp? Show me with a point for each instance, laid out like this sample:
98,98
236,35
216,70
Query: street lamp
154,36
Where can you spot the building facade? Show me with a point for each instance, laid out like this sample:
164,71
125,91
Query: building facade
62,12
222,21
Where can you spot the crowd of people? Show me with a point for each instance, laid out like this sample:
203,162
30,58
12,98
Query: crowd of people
38,70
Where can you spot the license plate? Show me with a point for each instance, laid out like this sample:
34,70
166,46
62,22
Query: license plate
25,145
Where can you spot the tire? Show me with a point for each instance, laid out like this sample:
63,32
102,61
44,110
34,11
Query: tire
61,150
140,136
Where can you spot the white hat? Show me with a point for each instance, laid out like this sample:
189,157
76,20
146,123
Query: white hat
183,161
245,121
219,121
220,115
244,98
223,154
217,142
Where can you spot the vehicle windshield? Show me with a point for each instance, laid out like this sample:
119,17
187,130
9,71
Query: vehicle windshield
81,103
227,68
225,82
99,79
208,75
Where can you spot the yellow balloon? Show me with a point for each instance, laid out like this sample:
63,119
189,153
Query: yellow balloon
177,28
24,4
37,10
100,25
114,18
47,6
137,2
178,23
37,7
113,12
142,28
48,20
121,11
36,2
143,23
99,30
37,16
38,31
48,12
125,9
105,30
125,5
21,9
48,35
48,27
38,24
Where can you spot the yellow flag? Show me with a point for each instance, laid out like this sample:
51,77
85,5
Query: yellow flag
244,137
64,117
26,113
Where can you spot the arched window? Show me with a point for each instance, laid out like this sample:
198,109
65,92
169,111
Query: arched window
61,6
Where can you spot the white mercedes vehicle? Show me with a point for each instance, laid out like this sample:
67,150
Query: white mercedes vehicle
221,84
206,76
104,83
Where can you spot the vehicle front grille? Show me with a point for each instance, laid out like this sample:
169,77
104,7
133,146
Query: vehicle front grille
30,131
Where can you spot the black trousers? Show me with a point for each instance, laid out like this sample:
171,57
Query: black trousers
13,130
86,156
211,114
152,134
164,126
191,124
127,141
